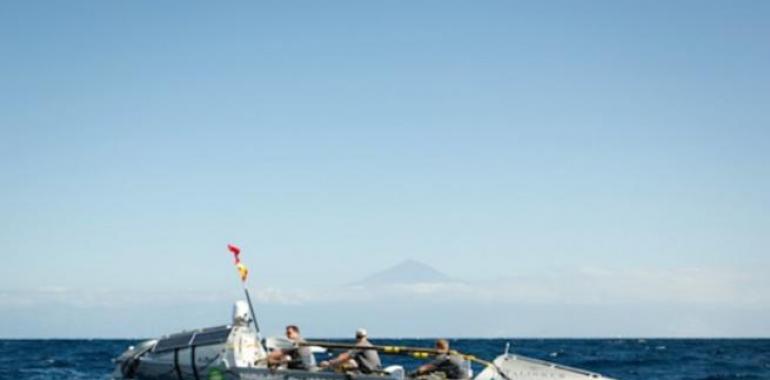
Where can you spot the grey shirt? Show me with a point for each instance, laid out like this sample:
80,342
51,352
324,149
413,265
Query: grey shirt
368,361
452,366
301,357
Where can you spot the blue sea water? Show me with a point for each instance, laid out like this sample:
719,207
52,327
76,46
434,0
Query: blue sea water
681,359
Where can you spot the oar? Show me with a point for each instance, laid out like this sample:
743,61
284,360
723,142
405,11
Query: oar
416,352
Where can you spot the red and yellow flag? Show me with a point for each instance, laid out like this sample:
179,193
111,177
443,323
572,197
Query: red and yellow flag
242,270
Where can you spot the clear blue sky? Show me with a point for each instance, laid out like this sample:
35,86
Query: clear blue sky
331,139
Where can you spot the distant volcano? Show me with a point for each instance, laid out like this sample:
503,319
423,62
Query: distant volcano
406,272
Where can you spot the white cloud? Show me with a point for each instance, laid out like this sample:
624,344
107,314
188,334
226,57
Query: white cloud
120,298
636,301
588,285
593,285
584,286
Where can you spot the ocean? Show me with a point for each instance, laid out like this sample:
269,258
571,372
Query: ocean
680,359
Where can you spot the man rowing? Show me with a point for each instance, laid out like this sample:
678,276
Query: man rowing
359,359
298,357
446,365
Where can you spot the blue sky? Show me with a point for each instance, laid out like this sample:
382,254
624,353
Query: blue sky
493,140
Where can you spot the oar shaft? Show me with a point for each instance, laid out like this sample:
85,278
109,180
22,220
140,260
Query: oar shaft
384,349
417,352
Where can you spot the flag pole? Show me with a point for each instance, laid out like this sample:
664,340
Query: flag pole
244,274
251,309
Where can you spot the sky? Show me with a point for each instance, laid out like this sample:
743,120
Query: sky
566,160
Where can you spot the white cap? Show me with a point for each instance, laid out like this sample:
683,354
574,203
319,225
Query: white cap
361,332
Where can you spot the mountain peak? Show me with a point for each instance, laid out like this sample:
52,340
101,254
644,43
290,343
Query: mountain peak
406,272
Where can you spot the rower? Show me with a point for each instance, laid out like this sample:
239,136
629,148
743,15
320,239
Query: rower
298,357
447,365
361,360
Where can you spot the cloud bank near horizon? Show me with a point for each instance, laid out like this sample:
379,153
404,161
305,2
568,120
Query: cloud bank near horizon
589,301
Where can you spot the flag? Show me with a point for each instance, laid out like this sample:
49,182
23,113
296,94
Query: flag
243,272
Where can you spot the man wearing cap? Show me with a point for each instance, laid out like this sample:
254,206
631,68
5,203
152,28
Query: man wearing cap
364,360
